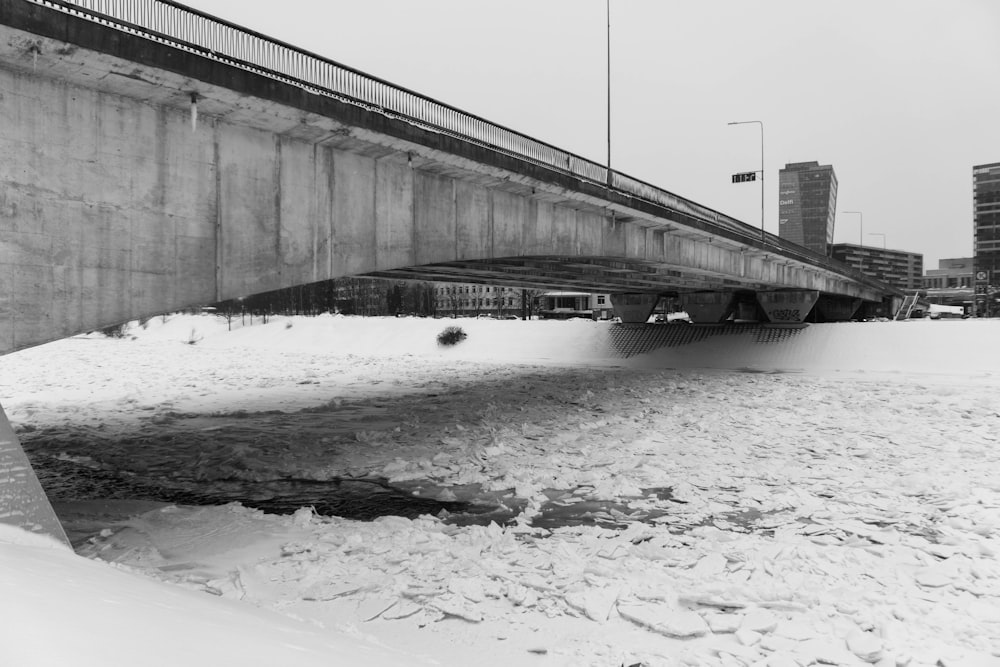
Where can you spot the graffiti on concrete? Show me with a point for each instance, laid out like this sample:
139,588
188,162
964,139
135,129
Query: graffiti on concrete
786,315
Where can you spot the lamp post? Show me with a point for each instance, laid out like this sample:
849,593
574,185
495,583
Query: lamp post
878,234
607,6
761,123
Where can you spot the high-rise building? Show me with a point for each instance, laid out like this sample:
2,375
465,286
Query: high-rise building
898,268
807,203
986,228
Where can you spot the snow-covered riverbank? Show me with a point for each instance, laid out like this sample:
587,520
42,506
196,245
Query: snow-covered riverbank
843,511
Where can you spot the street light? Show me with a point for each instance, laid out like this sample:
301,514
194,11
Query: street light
861,226
878,234
607,5
761,123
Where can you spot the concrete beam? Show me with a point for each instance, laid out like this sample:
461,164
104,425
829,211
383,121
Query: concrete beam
22,501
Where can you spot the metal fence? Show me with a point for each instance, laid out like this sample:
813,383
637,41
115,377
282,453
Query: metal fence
190,30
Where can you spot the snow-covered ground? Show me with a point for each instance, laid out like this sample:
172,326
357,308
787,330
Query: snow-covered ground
833,495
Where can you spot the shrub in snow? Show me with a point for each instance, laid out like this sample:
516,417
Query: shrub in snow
451,336
117,331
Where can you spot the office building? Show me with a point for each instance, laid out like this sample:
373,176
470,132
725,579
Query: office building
955,273
986,230
901,269
807,204
951,283
565,305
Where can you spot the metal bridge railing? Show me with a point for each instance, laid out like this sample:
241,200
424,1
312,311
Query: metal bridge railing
188,29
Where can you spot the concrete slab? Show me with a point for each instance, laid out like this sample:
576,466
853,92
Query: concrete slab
22,500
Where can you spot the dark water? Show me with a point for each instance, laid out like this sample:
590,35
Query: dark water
363,499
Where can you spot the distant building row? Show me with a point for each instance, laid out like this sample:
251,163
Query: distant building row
469,300
807,204
807,209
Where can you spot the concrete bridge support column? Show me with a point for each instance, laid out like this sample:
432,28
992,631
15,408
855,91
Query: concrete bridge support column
836,308
22,500
787,306
887,307
708,307
634,308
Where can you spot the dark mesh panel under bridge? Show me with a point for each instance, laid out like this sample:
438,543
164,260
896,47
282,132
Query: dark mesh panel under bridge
628,340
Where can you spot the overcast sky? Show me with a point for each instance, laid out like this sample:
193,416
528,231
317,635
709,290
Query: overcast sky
902,97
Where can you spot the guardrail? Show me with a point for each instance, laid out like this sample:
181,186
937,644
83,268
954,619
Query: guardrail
188,29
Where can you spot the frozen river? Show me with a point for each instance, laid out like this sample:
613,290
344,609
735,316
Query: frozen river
829,497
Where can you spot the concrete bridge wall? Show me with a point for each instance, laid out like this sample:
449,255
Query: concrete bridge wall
112,208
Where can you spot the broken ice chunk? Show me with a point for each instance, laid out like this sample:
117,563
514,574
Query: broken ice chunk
595,603
469,588
865,645
455,606
720,623
712,564
759,620
666,621
933,578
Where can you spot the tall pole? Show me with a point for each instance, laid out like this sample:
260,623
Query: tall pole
761,181
607,5
861,234
761,123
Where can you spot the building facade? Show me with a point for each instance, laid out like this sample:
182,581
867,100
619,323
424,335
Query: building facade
807,204
564,305
951,283
986,230
469,300
898,268
954,273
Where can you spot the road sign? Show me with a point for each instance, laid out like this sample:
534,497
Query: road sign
745,177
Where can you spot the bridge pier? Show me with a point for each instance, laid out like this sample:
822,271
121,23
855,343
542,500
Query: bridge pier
708,307
22,500
831,308
787,306
634,308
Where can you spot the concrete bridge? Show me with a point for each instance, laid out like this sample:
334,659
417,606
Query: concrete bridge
156,157
160,158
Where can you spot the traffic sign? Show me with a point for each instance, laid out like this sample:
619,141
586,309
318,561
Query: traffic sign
745,177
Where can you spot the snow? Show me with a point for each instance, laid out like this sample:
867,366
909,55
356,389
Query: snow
833,495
